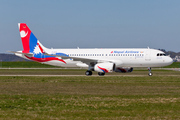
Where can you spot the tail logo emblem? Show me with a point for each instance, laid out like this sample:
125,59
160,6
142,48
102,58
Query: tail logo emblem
23,34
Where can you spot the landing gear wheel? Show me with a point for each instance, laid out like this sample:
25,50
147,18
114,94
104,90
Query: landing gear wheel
101,74
150,74
88,73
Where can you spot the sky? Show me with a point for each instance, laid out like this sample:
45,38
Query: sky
92,23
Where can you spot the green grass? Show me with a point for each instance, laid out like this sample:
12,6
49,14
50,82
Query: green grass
110,97
25,64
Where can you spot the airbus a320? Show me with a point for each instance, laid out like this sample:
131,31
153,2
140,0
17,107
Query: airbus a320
99,60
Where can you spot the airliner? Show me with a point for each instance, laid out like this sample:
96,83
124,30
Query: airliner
99,60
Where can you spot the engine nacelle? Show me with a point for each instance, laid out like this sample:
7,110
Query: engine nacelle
123,69
104,67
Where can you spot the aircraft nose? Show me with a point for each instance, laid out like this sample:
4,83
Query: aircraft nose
169,60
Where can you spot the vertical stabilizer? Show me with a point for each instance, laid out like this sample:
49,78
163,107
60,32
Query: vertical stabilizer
29,41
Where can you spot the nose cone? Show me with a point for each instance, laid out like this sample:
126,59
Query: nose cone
169,60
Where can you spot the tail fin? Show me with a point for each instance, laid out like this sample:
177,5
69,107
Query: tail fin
30,43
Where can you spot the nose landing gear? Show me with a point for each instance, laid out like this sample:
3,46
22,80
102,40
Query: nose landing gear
150,73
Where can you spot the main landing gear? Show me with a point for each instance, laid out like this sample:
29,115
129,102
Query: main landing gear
89,73
150,73
101,73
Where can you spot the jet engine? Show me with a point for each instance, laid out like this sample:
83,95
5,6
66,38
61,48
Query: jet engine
104,67
124,69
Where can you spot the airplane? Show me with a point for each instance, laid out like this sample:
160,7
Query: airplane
121,60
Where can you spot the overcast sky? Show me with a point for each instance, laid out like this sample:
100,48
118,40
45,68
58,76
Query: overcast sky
92,23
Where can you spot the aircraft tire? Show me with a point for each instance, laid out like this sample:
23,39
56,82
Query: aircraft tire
101,74
150,74
88,73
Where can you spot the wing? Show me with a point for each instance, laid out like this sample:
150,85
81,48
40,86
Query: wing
86,60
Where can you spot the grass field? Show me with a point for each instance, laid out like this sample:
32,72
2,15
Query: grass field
25,64
80,97
137,72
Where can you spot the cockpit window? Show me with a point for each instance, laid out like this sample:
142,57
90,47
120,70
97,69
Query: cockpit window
161,54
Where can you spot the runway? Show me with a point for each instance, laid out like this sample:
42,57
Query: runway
57,72
84,75
174,69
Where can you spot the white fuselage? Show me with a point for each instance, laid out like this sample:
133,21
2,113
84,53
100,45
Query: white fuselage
121,57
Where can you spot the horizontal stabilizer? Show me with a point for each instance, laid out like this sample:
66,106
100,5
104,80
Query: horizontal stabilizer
30,54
